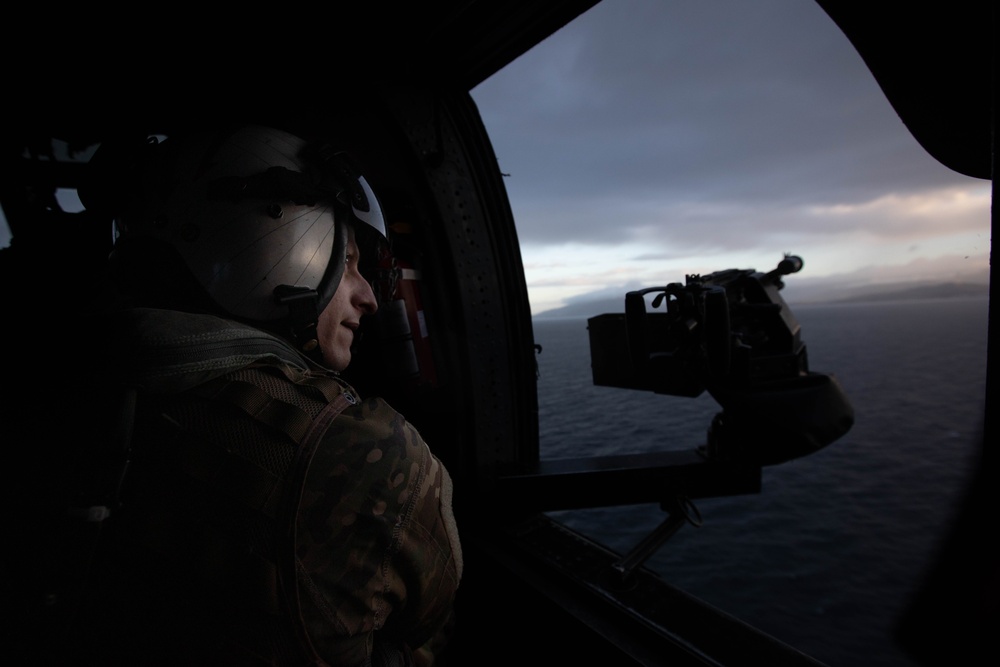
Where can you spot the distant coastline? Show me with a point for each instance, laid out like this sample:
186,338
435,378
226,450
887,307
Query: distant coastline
928,291
798,296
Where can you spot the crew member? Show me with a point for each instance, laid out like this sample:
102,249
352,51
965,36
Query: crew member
263,512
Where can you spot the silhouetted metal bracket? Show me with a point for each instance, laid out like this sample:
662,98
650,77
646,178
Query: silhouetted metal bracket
629,479
680,511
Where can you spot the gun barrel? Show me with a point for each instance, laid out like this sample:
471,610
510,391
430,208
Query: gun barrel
790,264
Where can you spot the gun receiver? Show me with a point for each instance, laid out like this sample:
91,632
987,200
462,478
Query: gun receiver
731,333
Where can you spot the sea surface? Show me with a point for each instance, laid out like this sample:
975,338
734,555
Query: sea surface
827,556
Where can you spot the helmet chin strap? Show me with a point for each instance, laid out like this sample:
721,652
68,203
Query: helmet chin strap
303,314
305,303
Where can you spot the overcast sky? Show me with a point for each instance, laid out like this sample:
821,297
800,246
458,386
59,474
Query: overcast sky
652,138
649,139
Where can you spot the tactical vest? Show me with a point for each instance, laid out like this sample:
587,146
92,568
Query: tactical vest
198,566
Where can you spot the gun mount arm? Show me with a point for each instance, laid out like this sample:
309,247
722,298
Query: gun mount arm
626,479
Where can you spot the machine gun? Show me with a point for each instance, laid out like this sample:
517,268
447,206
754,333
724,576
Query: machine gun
730,333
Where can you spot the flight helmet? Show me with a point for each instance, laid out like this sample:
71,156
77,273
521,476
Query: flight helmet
258,217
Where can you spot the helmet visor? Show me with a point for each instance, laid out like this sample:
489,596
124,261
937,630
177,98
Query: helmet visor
366,207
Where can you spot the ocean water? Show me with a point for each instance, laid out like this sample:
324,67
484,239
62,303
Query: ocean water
827,556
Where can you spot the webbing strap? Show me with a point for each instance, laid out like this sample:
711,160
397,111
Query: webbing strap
288,562
259,404
262,406
327,386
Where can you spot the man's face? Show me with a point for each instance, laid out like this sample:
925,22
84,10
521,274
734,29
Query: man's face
340,319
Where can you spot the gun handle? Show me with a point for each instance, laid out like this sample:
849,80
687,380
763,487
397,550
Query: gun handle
636,332
716,330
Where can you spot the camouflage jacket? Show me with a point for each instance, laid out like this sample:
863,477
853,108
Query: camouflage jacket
269,515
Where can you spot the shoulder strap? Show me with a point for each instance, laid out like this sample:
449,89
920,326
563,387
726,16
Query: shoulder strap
288,565
307,430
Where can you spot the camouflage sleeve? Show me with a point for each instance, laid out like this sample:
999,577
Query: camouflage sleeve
377,547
